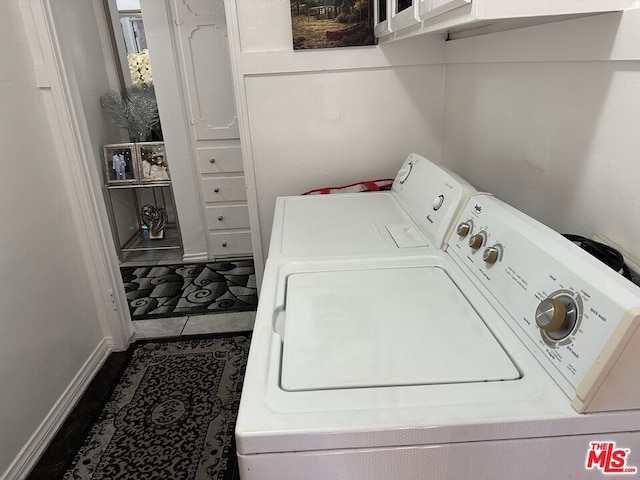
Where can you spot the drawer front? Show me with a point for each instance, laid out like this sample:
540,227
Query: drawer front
238,243
222,218
224,189
220,159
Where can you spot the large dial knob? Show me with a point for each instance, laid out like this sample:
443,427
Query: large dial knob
404,172
551,315
491,254
476,241
463,229
558,315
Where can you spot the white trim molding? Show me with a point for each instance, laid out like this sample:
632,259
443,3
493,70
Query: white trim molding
39,441
240,93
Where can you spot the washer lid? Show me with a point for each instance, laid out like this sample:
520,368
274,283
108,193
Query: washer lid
385,327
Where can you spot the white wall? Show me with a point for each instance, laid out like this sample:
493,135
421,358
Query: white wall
548,118
49,319
333,116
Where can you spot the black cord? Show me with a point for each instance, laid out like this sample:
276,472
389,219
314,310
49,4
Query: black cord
606,254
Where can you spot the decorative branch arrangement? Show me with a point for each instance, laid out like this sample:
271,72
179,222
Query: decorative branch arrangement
137,110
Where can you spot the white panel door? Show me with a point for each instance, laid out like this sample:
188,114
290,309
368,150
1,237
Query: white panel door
202,35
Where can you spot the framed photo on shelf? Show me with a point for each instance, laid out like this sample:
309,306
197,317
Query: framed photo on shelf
152,162
120,165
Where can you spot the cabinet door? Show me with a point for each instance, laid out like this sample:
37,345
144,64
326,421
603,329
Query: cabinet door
382,13
404,13
202,35
431,8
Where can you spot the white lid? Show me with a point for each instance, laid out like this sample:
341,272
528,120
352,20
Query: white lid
339,224
384,327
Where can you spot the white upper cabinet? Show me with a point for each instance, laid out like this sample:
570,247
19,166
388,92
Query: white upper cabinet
431,8
404,13
401,18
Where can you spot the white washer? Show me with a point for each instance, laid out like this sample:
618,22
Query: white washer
427,365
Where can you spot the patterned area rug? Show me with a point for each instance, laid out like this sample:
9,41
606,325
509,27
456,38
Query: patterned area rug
171,416
179,290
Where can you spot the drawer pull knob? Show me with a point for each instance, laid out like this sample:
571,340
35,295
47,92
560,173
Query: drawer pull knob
224,244
212,160
220,217
216,189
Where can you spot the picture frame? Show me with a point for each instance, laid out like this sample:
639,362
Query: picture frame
120,163
152,162
323,24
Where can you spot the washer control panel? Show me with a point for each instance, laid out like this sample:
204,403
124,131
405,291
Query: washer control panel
563,303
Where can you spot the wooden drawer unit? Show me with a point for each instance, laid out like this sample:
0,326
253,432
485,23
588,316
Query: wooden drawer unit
220,159
224,189
225,217
236,243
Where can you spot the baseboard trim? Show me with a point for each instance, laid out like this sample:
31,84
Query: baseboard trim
195,257
38,442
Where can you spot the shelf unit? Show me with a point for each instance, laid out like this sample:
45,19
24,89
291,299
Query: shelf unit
162,196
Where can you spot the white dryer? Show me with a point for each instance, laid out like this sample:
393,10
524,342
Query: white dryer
414,216
512,354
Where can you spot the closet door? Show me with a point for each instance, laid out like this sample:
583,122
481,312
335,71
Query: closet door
202,36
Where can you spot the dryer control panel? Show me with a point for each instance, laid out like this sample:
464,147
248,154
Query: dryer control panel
573,312
431,195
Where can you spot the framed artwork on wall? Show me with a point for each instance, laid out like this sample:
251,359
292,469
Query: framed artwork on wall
152,162
120,163
331,23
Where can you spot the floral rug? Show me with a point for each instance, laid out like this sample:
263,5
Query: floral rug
171,416
179,290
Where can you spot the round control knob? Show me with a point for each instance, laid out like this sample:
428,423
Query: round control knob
404,172
463,229
490,255
551,315
437,202
476,241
